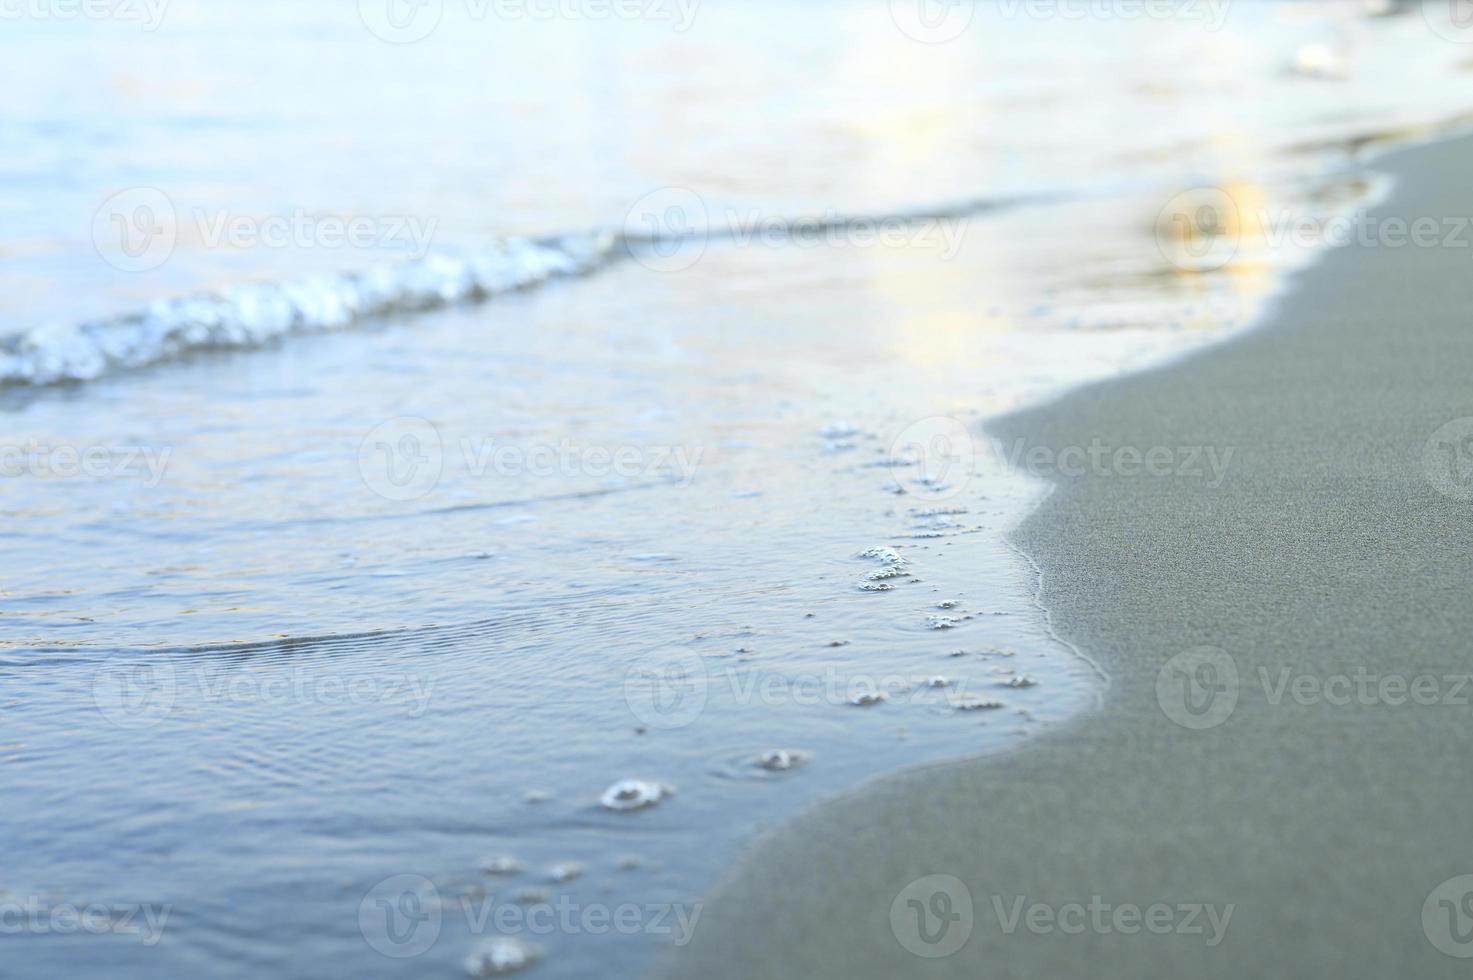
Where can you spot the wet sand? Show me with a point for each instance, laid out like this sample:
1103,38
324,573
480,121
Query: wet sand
1329,803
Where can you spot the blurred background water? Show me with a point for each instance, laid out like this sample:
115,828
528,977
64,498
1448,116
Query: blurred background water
295,640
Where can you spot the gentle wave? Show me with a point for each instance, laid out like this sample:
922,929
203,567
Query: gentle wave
255,315
249,316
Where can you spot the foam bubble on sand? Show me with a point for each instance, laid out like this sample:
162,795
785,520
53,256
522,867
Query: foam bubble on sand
502,864
566,871
888,556
933,483
634,794
892,565
499,955
781,760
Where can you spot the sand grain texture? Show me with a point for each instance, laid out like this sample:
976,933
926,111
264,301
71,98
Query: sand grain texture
1324,549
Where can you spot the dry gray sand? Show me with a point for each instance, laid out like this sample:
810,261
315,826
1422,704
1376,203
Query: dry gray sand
1327,552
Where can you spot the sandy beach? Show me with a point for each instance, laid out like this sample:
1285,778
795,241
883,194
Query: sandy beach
1286,802
734,488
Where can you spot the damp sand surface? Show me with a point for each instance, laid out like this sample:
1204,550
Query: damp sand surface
1337,546
515,567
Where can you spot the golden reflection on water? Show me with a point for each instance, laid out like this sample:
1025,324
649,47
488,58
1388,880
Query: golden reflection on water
951,321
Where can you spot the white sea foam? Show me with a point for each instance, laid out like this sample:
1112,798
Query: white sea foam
255,315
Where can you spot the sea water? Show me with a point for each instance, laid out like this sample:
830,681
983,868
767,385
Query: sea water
464,480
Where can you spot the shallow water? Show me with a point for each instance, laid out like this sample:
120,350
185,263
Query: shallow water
406,593
507,633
